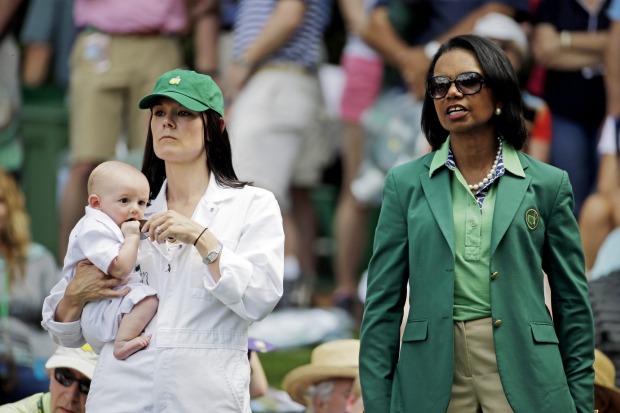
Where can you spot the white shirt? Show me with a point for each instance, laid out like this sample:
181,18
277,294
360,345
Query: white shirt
97,238
197,359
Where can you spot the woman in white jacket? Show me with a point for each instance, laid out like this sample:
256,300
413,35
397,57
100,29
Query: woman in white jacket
214,254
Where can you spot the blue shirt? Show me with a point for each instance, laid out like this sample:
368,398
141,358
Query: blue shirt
584,101
441,15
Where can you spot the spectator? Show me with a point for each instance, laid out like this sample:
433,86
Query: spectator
72,370
606,393
11,151
258,379
471,227
355,403
601,210
612,61
214,255
27,273
511,37
276,101
121,49
213,38
569,40
324,385
363,70
408,33
47,38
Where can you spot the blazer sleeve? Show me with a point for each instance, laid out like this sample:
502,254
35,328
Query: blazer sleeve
564,265
387,287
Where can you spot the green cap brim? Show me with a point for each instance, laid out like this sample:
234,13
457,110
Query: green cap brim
151,100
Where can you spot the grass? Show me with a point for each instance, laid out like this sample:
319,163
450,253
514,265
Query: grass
279,362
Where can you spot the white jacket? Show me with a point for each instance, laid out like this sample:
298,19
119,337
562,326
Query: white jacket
197,360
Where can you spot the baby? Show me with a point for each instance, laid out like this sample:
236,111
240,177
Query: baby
108,236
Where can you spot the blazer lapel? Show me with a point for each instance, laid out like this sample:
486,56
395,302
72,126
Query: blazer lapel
439,197
511,190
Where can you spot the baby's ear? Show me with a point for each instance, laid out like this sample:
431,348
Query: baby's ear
93,201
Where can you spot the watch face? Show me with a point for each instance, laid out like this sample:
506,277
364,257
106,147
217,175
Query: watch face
211,256
214,253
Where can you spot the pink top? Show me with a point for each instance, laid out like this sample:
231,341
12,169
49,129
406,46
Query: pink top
131,16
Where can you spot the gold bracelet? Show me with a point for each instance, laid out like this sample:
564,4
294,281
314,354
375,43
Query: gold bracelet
566,39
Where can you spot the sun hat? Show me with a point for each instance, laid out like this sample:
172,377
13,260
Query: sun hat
193,90
604,371
334,359
501,27
82,359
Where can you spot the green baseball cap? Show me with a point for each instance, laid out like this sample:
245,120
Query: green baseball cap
193,90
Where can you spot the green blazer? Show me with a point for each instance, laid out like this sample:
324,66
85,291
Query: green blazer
545,364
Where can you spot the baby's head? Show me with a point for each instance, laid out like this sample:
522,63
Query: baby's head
119,190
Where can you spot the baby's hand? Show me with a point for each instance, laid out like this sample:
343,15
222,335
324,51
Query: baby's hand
130,228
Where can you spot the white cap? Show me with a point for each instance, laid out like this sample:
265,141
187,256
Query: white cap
82,359
501,27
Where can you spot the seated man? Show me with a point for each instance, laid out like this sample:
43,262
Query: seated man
324,385
606,394
71,371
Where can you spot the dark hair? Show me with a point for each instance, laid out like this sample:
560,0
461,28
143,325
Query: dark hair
499,76
219,156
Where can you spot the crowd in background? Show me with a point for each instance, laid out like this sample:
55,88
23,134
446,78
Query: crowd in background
318,92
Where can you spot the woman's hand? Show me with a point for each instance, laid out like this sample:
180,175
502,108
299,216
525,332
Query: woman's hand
172,226
88,284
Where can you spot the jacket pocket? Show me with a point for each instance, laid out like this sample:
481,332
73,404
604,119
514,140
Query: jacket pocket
544,333
416,330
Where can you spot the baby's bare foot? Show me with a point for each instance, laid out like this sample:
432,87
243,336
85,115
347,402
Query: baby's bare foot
124,349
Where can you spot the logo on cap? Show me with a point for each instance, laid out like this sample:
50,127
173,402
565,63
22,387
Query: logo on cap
532,219
175,80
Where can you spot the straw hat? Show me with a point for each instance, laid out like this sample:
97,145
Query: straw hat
604,371
334,359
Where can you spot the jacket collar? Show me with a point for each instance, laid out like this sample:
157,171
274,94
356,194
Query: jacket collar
512,163
511,189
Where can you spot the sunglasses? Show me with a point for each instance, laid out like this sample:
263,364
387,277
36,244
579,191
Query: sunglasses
66,378
468,83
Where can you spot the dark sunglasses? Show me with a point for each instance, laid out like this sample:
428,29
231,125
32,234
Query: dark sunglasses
66,378
468,83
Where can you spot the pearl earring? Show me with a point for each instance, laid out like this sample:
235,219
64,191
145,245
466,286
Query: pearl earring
498,111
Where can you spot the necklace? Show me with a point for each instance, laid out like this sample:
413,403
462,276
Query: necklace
491,173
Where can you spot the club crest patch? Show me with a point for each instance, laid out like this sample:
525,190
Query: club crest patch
532,219
175,80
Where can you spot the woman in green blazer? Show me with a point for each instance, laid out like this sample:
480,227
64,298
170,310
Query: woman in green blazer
470,228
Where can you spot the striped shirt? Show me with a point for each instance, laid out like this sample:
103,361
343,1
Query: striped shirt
303,48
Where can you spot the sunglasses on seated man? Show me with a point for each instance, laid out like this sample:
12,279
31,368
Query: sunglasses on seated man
66,378
468,83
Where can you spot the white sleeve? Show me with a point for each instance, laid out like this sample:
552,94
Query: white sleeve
252,274
65,334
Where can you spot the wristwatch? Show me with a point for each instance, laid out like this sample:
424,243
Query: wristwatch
213,254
